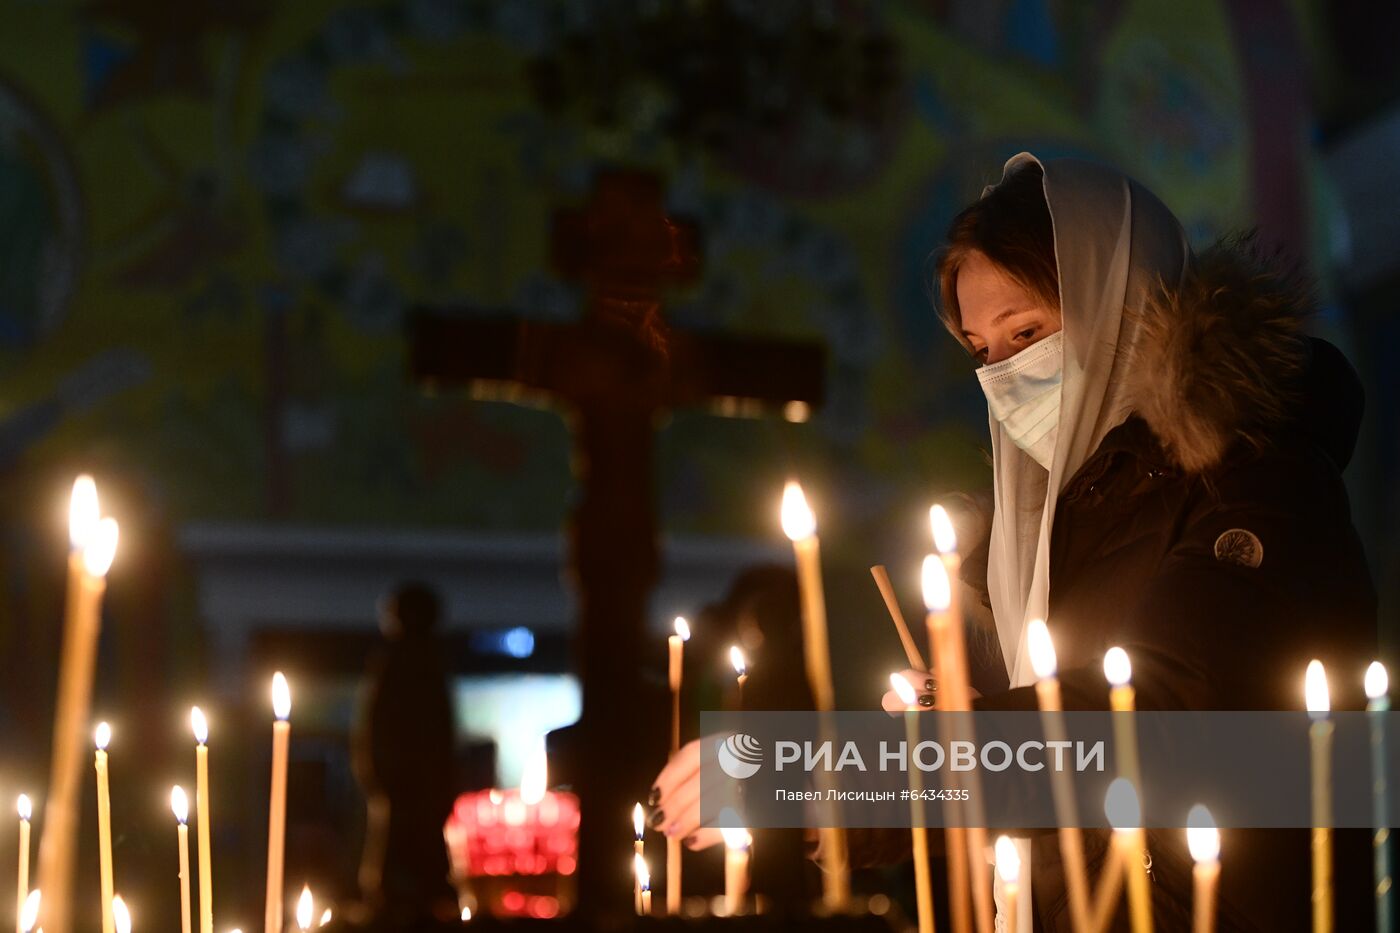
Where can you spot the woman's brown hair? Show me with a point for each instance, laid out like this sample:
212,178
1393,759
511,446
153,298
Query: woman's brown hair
1011,226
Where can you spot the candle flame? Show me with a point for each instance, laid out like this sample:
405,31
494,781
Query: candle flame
736,837
200,725
1116,667
639,868
121,917
1041,648
281,697
304,908
25,808
1315,690
101,548
30,914
536,777
637,820
102,736
1121,805
466,914
904,689
736,658
682,628
325,917
1202,838
944,537
179,804
938,591
1377,681
1008,860
83,512
798,521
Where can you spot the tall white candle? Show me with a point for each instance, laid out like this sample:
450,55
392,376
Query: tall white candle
1203,841
200,726
1125,815
923,882
676,667
736,869
22,890
1009,868
102,737
1377,705
1319,703
180,806
277,803
637,850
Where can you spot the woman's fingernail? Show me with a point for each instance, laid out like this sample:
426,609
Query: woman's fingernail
925,699
928,685
654,797
657,819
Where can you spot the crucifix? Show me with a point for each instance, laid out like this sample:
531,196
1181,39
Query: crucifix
615,371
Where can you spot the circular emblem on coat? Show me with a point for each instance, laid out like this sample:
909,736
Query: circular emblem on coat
1239,546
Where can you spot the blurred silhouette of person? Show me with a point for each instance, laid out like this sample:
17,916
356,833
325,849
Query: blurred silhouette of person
403,759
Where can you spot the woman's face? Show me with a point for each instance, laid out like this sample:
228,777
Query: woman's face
999,317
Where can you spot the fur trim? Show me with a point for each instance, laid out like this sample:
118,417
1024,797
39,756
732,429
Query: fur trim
1215,360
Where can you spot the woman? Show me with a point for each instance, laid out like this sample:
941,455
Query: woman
1167,449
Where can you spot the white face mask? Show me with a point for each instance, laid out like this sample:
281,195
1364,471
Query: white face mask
1023,394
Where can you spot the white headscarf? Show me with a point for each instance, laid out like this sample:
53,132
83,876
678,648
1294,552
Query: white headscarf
1113,242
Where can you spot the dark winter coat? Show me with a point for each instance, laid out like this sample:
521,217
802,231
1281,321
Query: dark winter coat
1210,536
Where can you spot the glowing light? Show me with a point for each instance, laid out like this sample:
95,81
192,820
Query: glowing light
904,689
639,868
101,549
466,914
1377,681
83,512
325,917
682,628
938,590
281,697
180,804
1042,649
536,776
1008,860
200,725
736,658
637,820
102,736
944,537
1121,806
1315,690
1116,667
25,808
798,521
120,915
1202,838
304,907
736,837
30,914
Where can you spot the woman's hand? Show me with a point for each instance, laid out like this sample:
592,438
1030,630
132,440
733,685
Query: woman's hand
675,798
922,682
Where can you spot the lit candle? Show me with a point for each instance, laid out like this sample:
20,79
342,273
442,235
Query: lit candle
26,811
676,644
102,737
923,883
945,541
1118,670
200,726
1203,839
637,827
94,545
1047,691
1009,869
305,906
29,911
121,916
1320,737
938,596
741,670
800,526
736,868
277,806
180,806
325,917
1377,704
1125,816
639,869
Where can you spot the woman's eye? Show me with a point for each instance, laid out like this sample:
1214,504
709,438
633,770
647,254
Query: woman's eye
1027,334
980,355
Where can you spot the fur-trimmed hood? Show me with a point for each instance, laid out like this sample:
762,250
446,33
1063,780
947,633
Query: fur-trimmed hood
1224,359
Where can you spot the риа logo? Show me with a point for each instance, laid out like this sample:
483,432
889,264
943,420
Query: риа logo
740,755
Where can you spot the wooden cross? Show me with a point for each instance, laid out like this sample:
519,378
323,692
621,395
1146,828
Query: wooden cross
615,371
